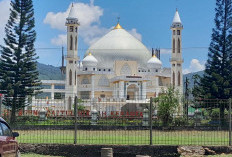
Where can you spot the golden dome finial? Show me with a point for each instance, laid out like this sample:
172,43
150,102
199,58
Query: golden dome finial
118,26
154,56
90,54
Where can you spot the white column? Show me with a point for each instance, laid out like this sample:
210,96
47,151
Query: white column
121,89
92,84
114,90
52,91
144,90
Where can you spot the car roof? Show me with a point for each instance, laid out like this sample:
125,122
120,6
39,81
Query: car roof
2,120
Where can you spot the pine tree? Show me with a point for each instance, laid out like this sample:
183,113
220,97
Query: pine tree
18,71
216,81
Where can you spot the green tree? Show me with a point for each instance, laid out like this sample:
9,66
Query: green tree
18,71
168,104
216,81
196,90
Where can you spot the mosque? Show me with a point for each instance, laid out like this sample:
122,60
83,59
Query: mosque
119,67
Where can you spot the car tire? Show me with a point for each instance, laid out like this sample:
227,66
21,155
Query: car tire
18,154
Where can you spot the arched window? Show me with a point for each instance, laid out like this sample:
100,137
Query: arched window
178,45
126,70
173,78
174,32
75,78
178,78
71,42
173,46
70,77
76,43
85,81
103,81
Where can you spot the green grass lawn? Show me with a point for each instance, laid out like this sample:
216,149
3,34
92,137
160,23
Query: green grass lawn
125,137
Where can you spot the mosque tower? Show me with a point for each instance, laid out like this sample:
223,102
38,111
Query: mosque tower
176,59
71,58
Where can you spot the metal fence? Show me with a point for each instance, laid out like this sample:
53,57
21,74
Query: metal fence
124,122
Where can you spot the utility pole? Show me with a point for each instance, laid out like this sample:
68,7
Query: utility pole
186,97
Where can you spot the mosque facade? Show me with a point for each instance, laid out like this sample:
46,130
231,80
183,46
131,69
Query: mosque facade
118,67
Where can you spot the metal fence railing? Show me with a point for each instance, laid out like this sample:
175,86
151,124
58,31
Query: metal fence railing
119,121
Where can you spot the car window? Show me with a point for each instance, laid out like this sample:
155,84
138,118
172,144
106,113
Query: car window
6,130
1,132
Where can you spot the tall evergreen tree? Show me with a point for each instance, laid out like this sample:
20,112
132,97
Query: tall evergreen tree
18,71
216,81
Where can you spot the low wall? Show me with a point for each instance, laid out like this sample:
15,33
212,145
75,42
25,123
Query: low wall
95,150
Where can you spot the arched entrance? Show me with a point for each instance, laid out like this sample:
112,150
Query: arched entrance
132,92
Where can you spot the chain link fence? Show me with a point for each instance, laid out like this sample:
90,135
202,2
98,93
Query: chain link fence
124,122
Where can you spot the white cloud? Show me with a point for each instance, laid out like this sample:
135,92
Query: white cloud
195,66
165,51
89,18
4,14
60,40
135,34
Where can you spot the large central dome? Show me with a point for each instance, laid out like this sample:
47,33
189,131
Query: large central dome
118,45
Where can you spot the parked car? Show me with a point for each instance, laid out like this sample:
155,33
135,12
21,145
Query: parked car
8,144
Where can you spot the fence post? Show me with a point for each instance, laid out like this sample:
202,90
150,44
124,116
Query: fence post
75,117
0,105
150,117
229,122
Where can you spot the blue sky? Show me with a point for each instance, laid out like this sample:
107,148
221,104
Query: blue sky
148,20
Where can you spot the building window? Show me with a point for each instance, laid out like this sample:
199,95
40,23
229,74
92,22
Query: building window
99,69
71,42
139,70
71,28
174,32
75,78
76,29
69,103
85,81
76,43
70,62
178,78
108,69
178,45
173,65
173,79
86,69
104,70
102,95
156,70
104,81
178,65
173,46
93,69
148,70
70,77
178,32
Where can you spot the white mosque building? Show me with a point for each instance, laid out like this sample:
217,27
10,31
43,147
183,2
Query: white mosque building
118,67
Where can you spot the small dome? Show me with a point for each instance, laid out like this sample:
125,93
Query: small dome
80,64
89,61
154,63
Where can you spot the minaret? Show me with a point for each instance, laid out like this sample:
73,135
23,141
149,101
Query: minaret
71,58
176,59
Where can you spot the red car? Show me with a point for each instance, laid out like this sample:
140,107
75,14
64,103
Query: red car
8,144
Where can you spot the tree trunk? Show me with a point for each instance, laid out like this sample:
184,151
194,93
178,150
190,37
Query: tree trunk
12,118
